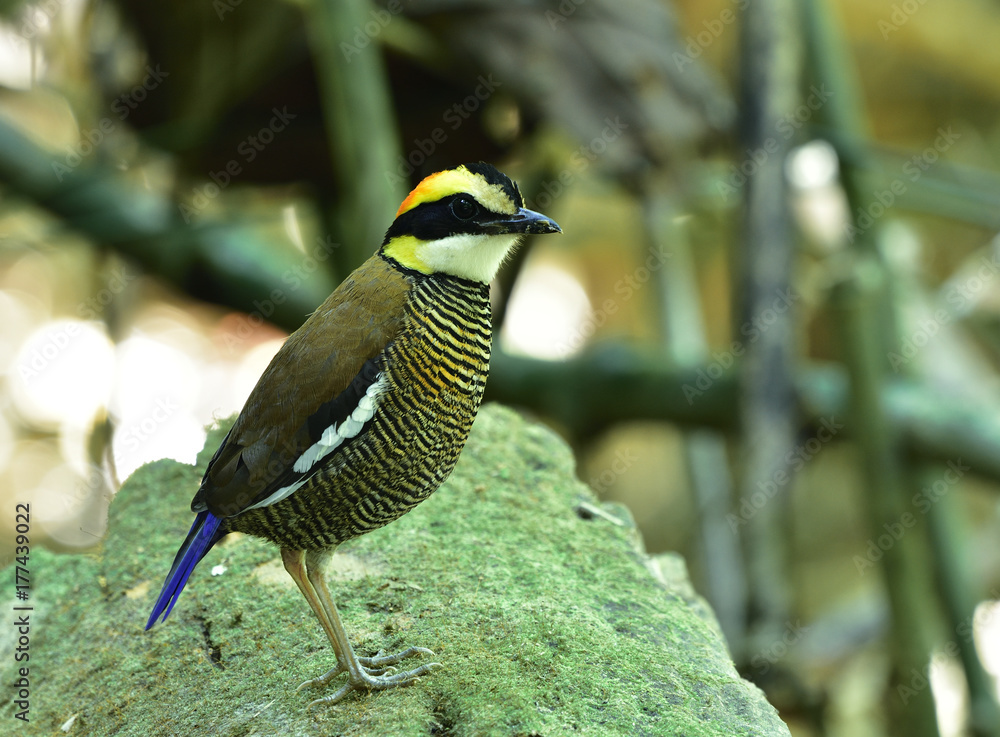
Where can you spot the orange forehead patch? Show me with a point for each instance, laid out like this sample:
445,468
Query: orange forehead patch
436,186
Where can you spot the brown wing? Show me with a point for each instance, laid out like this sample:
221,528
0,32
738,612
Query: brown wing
316,365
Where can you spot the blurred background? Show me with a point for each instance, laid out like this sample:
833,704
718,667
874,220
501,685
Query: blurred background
771,329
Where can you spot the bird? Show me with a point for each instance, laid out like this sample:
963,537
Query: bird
364,410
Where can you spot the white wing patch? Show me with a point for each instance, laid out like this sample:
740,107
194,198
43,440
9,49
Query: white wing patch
331,439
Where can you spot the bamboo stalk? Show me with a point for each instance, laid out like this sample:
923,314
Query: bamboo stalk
770,64
226,263
705,455
618,384
359,118
904,562
952,567
868,329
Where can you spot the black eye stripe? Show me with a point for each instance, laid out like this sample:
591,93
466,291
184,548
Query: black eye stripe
433,220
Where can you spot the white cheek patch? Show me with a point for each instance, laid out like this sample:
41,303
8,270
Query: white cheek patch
475,257
331,439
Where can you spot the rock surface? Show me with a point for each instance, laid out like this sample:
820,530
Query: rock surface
546,614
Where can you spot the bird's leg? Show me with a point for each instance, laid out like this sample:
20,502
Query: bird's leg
295,564
362,673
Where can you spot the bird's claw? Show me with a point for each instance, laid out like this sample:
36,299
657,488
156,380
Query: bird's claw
369,682
377,674
382,661
323,679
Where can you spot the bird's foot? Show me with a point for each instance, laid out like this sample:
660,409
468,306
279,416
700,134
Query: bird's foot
381,663
323,679
376,674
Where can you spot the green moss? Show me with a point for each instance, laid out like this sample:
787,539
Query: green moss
546,623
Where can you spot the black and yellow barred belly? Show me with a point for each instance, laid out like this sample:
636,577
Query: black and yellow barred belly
435,372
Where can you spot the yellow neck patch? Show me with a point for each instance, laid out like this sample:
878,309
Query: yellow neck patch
405,250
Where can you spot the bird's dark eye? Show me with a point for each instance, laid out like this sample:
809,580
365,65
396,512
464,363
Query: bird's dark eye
464,208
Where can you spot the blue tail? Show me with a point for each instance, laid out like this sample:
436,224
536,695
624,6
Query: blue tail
203,535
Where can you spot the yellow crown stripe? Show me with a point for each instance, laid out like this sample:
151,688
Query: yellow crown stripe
436,186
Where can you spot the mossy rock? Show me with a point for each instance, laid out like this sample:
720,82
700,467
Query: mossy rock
548,620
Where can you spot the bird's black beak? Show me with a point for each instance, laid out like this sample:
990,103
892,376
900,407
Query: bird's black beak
523,221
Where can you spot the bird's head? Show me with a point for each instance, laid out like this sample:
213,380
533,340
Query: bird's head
462,222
